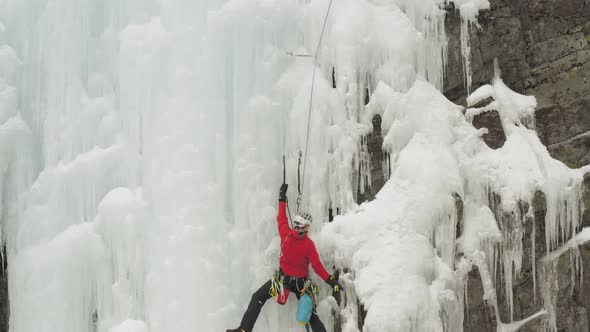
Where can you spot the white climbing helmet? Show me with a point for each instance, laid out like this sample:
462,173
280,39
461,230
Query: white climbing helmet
302,219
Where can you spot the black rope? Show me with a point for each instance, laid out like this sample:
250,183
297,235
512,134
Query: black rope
298,174
299,183
285,181
289,211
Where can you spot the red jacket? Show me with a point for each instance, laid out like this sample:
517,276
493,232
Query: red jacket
297,251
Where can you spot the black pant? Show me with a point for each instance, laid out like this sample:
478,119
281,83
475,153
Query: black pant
293,284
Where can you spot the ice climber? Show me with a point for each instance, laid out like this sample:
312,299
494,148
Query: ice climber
297,252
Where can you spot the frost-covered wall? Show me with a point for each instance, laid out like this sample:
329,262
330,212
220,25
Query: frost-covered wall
151,135
16,167
541,49
113,118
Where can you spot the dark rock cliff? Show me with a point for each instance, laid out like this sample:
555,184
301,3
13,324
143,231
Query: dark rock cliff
542,50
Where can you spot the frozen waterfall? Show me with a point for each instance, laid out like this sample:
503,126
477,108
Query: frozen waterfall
141,146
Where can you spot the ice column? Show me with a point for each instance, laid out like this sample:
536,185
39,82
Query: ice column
16,148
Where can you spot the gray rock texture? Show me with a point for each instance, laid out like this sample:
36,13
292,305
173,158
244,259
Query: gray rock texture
376,159
542,50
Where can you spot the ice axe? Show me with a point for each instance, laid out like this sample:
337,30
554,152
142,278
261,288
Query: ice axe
336,294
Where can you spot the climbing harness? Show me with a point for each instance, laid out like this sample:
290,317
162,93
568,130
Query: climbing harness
310,288
277,288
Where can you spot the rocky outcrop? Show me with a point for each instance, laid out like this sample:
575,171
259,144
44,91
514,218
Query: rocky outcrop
542,50
377,158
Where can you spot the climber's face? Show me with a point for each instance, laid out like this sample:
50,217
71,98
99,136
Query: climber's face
300,228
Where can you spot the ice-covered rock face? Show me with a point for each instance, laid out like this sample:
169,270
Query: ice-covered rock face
435,154
140,155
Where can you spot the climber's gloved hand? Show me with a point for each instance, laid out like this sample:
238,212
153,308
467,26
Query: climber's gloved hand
336,288
283,192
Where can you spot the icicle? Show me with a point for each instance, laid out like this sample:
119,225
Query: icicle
580,272
511,249
443,238
463,267
564,211
576,270
469,10
363,166
549,290
466,53
386,166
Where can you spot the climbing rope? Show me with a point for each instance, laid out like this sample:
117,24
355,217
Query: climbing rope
301,179
311,101
301,182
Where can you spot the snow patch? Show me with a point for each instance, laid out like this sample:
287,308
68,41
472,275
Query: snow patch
469,9
515,108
